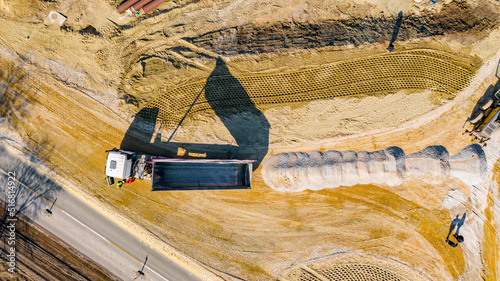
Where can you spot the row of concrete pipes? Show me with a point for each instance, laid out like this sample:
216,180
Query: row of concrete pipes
135,5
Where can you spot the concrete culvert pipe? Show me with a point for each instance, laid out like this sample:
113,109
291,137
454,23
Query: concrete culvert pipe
298,171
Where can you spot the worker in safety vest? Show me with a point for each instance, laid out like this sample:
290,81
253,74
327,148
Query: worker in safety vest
119,184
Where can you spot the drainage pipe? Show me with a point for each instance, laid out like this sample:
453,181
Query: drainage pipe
137,6
126,5
152,5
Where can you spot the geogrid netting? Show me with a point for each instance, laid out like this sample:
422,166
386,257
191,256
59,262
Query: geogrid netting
415,69
305,275
352,267
358,272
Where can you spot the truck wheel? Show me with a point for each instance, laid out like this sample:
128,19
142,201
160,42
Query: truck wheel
486,104
110,180
476,117
487,112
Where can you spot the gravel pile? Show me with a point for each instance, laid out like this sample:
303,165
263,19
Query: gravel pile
298,171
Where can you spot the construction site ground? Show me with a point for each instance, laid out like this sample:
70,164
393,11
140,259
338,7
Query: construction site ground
253,79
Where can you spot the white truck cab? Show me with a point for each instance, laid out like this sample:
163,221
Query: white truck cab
178,173
118,165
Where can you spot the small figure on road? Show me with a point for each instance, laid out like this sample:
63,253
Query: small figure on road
119,184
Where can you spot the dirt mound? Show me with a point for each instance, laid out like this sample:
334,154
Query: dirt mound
431,164
469,165
457,16
298,171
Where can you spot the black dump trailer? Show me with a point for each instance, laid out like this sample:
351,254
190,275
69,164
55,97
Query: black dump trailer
186,174
180,174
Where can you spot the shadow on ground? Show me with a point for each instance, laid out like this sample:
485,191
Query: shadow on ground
230,102
20,198
454,17
395,32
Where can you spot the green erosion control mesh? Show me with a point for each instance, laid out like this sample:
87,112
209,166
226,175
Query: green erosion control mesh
387,73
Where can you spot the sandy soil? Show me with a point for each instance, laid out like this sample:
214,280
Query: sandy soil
83,91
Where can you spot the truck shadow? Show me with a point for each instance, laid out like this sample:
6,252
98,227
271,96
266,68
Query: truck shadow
230,102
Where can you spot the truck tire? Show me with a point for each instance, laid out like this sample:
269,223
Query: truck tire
487,112
110,180
477,117
486,104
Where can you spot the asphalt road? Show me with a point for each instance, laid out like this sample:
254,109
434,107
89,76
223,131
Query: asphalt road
82,227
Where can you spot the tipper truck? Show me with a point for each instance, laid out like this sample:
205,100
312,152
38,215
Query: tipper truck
179,174
485,117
